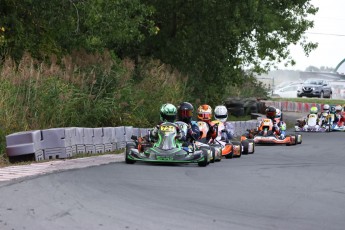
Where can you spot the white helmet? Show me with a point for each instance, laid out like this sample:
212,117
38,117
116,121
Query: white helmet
221,113
278,113
326,107
338,108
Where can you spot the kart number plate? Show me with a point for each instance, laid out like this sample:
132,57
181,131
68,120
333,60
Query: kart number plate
167,128
165,158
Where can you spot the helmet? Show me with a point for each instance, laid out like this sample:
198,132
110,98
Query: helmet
332,109
271,112
326,107
278,113
205,113
338,108
168,112
221,113
185,112
313,110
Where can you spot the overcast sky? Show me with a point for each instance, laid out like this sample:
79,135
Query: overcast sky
329,32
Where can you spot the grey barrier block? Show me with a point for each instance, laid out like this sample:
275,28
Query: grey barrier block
56,144
136,132
25,143
121,133
71,132
128,133
144,131
108,138
119,138
98,140
79,140
88,140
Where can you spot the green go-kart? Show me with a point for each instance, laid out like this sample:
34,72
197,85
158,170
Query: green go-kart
166,149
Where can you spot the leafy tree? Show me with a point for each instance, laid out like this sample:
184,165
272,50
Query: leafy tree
214,40
45,27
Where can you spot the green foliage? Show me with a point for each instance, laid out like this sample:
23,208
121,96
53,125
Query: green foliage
214,40
94,25
99,91
105,69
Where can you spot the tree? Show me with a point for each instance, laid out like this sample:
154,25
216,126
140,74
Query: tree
213,41
45,27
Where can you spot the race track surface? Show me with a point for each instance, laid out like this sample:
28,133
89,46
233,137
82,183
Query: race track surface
278,187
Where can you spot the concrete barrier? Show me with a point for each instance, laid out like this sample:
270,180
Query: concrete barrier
56,143
25,143
59,143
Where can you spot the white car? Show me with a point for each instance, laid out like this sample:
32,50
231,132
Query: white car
289,91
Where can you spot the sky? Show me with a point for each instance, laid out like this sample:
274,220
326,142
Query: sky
329,32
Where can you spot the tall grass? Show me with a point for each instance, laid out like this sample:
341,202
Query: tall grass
84,90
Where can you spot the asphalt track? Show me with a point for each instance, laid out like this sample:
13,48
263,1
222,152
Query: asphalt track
278,187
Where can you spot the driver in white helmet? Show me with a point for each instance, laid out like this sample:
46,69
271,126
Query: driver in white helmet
221,116
324,114
279,125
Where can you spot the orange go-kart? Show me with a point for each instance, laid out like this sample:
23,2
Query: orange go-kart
227,149
265,134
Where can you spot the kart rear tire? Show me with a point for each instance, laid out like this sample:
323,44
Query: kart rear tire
241,149
129,146
245,144
213,150
205,162
252,141
295,143
299,142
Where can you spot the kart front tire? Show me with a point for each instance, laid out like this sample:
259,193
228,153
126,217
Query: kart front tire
129,146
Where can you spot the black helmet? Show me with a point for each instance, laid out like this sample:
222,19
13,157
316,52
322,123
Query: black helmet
271,112
185,112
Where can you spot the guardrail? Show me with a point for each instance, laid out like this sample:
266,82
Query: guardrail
61,143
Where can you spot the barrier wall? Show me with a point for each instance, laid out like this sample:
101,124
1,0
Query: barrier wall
289,106
61,143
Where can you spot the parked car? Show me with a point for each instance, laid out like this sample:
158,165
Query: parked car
289,91
315,88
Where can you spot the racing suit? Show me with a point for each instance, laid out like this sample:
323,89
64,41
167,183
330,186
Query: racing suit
227,131
323,118
193,133
279,127
212,130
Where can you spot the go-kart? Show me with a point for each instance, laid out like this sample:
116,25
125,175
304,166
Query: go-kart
247,145
265,134
203,140
309,125
228,149
331,125
167,149
213,152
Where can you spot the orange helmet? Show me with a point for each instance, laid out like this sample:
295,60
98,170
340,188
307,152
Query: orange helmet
204,113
